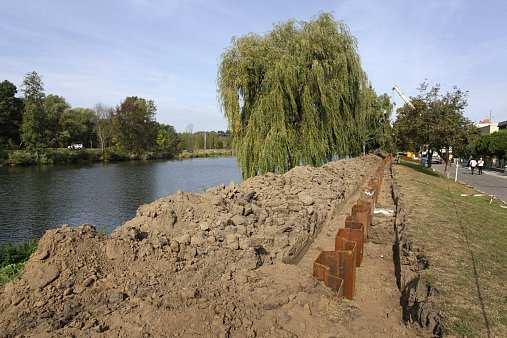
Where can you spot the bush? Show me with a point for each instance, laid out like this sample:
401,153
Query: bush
67,156
12,254
9,272
21,157
13,259
115,155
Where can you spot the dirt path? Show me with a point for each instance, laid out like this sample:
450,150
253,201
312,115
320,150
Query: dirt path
377,296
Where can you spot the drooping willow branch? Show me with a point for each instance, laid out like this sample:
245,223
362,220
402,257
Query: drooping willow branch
297,95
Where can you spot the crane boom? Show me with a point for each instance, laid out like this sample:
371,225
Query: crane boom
403,96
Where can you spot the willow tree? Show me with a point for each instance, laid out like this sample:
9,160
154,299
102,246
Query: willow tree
295,95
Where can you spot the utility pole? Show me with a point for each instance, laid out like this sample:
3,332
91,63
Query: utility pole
204,140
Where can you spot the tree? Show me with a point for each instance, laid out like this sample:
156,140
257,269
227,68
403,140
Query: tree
54,107
104,125
167,139
35,121
437,123
294,96
134,125
77,125
11,112
494,144
378,122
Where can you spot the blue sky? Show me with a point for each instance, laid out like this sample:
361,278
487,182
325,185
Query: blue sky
101,51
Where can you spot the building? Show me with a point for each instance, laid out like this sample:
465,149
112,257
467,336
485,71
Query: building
487,126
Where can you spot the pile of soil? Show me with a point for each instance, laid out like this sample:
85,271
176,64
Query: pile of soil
191,264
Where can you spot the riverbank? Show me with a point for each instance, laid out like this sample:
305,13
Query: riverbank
204,153
93,155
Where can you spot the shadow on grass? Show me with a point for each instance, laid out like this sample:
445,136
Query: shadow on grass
419,168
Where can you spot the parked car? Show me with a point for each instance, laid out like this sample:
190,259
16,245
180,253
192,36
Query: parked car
75,146
435,159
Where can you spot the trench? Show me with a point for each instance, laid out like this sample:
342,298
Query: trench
416,293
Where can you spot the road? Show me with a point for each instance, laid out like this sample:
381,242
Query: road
492,183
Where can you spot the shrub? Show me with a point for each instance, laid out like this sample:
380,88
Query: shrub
12,254
21,157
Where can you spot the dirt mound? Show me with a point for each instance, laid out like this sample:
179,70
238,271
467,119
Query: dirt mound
206,264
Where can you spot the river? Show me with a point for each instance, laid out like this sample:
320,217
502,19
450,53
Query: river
34,199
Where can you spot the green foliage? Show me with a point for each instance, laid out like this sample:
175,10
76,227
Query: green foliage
77,125
10,272
54,107
294,96
214,140
437,122
35,121
10,253
167,139
380,131
21,158
13,258
11,110
494,144
45,124
53,156
204,153
67,156
134,125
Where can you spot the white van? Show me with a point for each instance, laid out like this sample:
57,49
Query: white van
75,146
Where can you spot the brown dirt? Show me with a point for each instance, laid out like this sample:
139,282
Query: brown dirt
210,264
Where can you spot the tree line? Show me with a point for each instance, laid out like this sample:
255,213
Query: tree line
489,146
36,122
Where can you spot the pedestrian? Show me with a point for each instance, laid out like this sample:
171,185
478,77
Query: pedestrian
473,164
480,165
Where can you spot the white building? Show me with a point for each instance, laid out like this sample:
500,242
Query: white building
486,126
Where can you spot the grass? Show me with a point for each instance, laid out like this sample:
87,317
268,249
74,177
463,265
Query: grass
13,258
418,167
465,240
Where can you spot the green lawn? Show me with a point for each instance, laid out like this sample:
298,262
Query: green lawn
465,240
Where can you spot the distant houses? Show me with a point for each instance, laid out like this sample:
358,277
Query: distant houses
492,143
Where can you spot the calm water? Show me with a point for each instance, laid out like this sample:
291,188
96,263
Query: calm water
34,199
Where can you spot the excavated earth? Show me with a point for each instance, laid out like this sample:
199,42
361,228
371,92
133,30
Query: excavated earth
212,264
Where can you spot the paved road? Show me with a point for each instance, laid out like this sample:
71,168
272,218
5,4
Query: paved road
492,183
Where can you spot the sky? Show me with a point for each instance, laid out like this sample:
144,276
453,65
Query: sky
168,51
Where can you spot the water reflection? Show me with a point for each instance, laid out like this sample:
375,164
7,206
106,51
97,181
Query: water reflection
37,198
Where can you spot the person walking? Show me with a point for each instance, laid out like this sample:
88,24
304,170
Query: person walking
473,164
480,165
